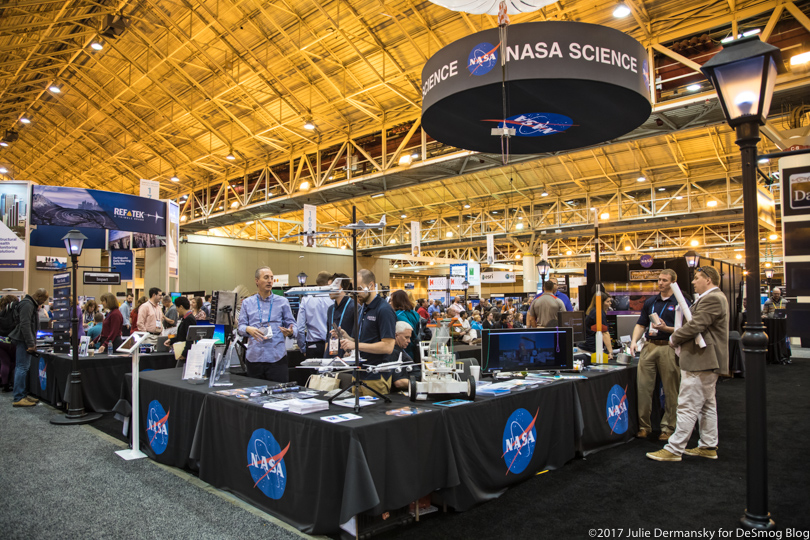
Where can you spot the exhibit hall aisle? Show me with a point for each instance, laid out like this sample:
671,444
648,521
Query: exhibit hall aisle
67,482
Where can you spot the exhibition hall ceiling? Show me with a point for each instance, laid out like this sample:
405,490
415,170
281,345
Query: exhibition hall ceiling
221,95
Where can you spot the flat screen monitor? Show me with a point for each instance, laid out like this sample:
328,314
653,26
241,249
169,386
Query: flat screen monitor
175,296
44,334
574,320
198,332
525,349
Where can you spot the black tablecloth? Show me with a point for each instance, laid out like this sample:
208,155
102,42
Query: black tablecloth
102,376
330,472
607,410
163,393
778,350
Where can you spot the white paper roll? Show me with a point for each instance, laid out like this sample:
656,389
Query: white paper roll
687,313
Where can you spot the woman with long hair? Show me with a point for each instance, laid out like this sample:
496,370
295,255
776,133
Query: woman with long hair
113,322
199,312
133,315
89,311
404,309
590,325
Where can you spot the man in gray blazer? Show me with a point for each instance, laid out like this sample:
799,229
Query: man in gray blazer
700,369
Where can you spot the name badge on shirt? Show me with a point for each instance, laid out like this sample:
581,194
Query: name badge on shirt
334,345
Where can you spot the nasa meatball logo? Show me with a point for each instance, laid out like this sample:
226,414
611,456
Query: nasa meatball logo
482,59
266,463
618,417
519,440
157,427
43,374
537,124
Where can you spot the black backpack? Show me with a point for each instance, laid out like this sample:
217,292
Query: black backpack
9,318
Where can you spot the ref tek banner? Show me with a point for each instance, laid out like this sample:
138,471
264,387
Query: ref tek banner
92,209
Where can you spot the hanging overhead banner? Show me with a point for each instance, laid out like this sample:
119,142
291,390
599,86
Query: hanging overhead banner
498,277
14,197
437,283
123,262
766,209
416,238
119,240
59,206
458,269
310,224
490,248
150,189
173,238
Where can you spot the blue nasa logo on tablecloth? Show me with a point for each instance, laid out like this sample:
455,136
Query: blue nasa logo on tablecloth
618,417
537,124
266,463
43,374
646,261
519,440
157,427
482,59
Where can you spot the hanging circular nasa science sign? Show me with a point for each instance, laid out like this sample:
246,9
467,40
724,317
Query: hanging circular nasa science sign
567,85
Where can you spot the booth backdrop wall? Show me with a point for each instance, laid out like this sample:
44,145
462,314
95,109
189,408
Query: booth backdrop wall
44,278
215,267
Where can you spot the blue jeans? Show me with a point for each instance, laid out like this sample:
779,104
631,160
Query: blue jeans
21,371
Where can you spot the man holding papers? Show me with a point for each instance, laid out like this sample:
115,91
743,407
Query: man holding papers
700,368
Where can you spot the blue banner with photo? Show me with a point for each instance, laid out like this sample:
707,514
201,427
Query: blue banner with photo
123,261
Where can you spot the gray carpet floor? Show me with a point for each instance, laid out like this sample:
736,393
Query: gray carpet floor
66,482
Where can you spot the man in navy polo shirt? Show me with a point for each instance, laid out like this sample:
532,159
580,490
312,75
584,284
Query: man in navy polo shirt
377,330
657,356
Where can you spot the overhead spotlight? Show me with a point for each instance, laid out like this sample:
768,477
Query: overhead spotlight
392,241
235,204
25,120
544,194
431,263
308,124
767,265
662,189
3,143
174,178
405,161
711,204
97,45
403,216
518,256
763,160
627,248
230,156
304,185
519,226
378,195
679,197
605,216
621,10
396,266
415,155
773,237
694,243
738,256
799,59
466,206
183,217
251,222
641,179
494,212
569,252
55,89
343,246
449,234
693,87
3,170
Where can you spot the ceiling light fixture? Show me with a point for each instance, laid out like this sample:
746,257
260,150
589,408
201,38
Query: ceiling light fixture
627,248
308,124
378,195
431,263
621,10
304,185
569,252
662,189
693,87
183,217
234,204
773,236
403,216
711,204
738,256
3,143
679,197
97,45
798,59
763,160
605,216
55,89
3,170
405,161
449,234
25,120
466,206
544,194
519,226
641,179
694,243
230,156
174,178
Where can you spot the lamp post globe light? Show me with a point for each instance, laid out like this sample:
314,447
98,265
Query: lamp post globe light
744,75
543,268
302,278
74,242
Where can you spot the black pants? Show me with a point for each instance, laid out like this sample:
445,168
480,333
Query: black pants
125,330
275,371
315,349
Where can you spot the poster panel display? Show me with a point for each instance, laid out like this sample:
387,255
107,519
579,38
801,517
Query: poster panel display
173,238
310,224
51,263
13,224
123,261
490,249
416,238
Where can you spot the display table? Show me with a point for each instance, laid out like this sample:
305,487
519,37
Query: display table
102,376
606,409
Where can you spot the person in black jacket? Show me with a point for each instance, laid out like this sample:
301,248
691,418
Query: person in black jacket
25,340
187,319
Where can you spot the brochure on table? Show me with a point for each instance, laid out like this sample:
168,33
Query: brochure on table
198,358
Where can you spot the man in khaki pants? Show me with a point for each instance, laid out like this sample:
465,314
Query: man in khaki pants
657,356
700,369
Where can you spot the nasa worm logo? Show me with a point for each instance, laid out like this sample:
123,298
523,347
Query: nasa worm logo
482,58
266,463
617,416
157,427
43,374
519,440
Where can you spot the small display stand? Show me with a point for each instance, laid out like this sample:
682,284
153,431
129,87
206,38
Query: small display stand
220,375
132,347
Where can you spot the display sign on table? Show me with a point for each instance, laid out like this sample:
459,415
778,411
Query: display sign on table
13,224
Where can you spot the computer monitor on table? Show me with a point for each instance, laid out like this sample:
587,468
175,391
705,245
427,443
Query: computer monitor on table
527,349
198,332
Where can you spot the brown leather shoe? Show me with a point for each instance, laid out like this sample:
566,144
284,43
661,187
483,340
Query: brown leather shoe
664,436
23,403
32,399
642,434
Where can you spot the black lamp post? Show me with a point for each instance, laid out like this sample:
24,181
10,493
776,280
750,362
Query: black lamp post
74,241
302,278
543,268
744,75
769,277
692,261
